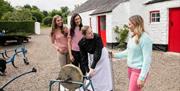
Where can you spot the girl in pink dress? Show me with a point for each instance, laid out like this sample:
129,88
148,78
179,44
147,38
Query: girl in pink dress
59,39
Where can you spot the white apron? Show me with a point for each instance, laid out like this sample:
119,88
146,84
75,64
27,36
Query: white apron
102,80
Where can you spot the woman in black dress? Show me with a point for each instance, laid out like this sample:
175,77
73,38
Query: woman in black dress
93,53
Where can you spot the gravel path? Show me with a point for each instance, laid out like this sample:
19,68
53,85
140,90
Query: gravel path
164,74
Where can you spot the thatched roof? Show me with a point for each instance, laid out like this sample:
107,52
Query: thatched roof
100,6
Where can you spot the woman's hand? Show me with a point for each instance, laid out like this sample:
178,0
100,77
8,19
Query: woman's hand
62,51
71,58
110,53
91,72
140,83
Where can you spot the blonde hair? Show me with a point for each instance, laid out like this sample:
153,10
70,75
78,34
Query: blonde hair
84,29
138,22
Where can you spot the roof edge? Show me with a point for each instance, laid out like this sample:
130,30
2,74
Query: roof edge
157,1
101,13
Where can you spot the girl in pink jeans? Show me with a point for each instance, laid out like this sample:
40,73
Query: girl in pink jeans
138,54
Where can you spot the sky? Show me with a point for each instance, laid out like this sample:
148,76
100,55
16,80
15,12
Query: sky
47,5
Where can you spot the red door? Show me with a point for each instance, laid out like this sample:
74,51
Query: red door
102,28
174,30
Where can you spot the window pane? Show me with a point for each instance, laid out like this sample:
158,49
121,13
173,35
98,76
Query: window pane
157,19
153,14
158,14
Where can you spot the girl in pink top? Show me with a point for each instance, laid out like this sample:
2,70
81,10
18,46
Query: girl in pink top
75,36
59,38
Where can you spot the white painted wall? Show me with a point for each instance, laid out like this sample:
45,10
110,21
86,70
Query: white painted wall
109,34
137,7
85,18
159,31
94,23
120,17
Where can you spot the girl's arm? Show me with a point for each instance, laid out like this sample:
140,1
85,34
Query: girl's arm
69,47
120,55
53,41
147,54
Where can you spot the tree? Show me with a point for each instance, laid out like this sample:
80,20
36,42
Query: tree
55,12
5,7
35,8
27,6
37,15
45,13
47,20
18,15
64,13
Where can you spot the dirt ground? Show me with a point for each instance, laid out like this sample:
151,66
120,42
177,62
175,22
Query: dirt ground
164,74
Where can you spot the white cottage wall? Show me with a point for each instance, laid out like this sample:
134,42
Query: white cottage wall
120,17
159,30
85,18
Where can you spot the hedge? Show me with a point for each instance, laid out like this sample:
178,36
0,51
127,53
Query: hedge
17,27
47,20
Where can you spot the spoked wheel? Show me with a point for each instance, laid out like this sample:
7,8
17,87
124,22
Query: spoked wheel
71,76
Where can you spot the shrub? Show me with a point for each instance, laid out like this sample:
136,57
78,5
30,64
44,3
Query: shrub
18,15
37,15
122,35
47,20
17,27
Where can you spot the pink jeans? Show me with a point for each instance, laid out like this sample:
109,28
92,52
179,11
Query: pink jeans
133,75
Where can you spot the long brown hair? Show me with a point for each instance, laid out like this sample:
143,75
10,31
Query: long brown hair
73,24
138,22
55,26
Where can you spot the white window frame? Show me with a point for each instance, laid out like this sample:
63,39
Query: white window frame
155,16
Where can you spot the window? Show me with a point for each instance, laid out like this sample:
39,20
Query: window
154,16
103,22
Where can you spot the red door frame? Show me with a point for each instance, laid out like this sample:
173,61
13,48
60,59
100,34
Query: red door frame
102,32
171,46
